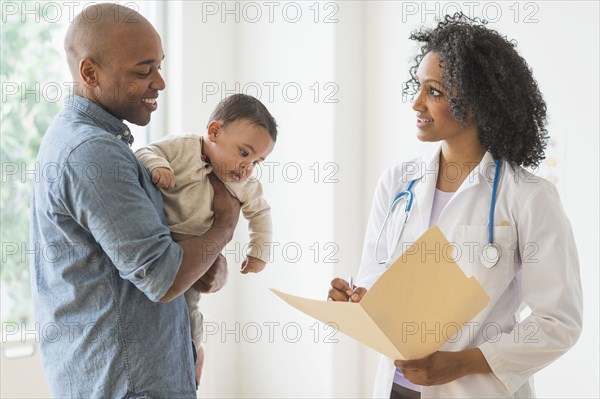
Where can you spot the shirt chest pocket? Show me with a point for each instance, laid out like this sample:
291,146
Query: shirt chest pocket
470,241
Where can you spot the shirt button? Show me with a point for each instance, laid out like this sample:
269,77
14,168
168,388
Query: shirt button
126,133
119,136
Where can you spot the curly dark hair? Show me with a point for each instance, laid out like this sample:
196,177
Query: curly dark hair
487,79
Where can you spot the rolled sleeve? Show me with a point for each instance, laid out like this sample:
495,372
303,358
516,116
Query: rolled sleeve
111,197
155,274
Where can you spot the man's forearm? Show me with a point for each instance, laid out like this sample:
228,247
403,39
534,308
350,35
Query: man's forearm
199,253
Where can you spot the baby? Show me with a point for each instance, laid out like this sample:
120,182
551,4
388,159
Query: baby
241,133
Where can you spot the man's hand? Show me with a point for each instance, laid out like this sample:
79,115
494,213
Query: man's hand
215,277
203,266
163,178
225,206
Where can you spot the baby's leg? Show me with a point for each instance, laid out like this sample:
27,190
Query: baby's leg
192,298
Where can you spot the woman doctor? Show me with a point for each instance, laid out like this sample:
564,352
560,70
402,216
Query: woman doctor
476,96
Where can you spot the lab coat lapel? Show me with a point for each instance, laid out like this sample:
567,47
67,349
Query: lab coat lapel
425,189
482,173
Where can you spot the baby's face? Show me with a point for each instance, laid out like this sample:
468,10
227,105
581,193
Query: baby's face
239,146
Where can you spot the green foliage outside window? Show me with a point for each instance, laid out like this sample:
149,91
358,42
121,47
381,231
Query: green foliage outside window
32,70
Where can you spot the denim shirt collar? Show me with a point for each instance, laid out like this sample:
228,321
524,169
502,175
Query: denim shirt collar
102,117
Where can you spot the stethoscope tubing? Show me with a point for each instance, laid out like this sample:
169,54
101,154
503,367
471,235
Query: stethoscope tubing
409,197
493,203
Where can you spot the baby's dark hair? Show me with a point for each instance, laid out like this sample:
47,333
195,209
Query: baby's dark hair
242,106
489,81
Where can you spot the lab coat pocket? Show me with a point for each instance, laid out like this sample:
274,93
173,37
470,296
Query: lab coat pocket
470,241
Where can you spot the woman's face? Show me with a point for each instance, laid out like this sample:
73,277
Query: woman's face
434,121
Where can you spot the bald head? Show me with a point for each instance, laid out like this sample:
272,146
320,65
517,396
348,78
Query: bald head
101,29
115,57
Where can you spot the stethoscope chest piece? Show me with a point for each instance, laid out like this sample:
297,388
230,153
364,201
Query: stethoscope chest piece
490,255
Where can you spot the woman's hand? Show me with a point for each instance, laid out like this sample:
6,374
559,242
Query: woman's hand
443,367
341,291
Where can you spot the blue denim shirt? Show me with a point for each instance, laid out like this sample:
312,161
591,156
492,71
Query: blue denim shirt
103,259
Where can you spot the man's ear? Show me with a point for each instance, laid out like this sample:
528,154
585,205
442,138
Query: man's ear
213,130
88,72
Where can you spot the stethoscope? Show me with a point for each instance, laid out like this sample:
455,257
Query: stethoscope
490,254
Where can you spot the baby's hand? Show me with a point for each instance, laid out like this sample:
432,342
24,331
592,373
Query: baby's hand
163,178
252,265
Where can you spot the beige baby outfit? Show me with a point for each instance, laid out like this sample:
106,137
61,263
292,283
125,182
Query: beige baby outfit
189,205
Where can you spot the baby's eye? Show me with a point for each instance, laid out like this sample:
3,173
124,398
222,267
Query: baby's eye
255,163
244,153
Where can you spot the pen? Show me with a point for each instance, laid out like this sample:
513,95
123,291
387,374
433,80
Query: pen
351,284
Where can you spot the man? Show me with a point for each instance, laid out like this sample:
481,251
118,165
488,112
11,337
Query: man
107,278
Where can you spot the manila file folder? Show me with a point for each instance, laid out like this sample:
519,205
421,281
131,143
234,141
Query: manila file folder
421,301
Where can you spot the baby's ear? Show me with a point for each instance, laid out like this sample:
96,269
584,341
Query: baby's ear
213,130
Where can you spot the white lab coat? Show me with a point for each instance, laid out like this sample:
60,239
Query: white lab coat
538,268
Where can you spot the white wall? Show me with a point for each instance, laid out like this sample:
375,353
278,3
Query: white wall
365,56
273,61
